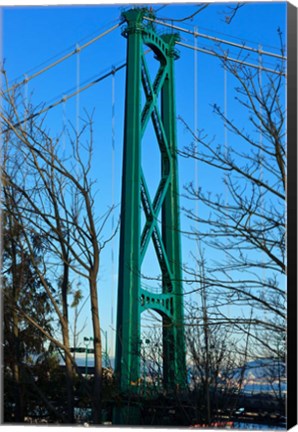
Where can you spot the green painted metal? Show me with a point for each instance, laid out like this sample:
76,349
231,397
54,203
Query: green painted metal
133,298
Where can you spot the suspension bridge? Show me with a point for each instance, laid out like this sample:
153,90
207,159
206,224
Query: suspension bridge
150,214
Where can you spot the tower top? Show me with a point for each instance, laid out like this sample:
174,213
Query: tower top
134,18
135,24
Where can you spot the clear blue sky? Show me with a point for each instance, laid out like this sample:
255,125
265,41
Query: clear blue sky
34,36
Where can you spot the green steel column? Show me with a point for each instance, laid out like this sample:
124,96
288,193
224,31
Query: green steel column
132,298
173,334
128,310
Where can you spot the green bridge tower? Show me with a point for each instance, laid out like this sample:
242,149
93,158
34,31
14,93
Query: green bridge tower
157,106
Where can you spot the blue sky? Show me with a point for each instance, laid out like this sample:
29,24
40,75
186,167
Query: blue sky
35,36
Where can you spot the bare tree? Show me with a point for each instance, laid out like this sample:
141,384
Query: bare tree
21,289
242,224
58,206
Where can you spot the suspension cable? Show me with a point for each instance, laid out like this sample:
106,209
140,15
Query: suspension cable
78,79
225,109
261,143
64,122
62,59
196,108
113,206
196,162
205,51
224,41
26,100
226,175
66,98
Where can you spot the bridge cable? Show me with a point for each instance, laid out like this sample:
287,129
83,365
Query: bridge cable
78,68
77,109
196,185
262,201
218,40
244,63
66,98
61,59
64,124
113,207
26,100
225,71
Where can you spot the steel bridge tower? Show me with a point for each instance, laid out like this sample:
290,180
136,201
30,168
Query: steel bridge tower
133,298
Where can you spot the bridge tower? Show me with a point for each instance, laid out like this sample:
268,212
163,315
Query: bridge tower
158,106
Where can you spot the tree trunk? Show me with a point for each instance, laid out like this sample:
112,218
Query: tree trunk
68,363
97,351
19,402
17,276
69,374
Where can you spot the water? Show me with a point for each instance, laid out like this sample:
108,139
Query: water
81,361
